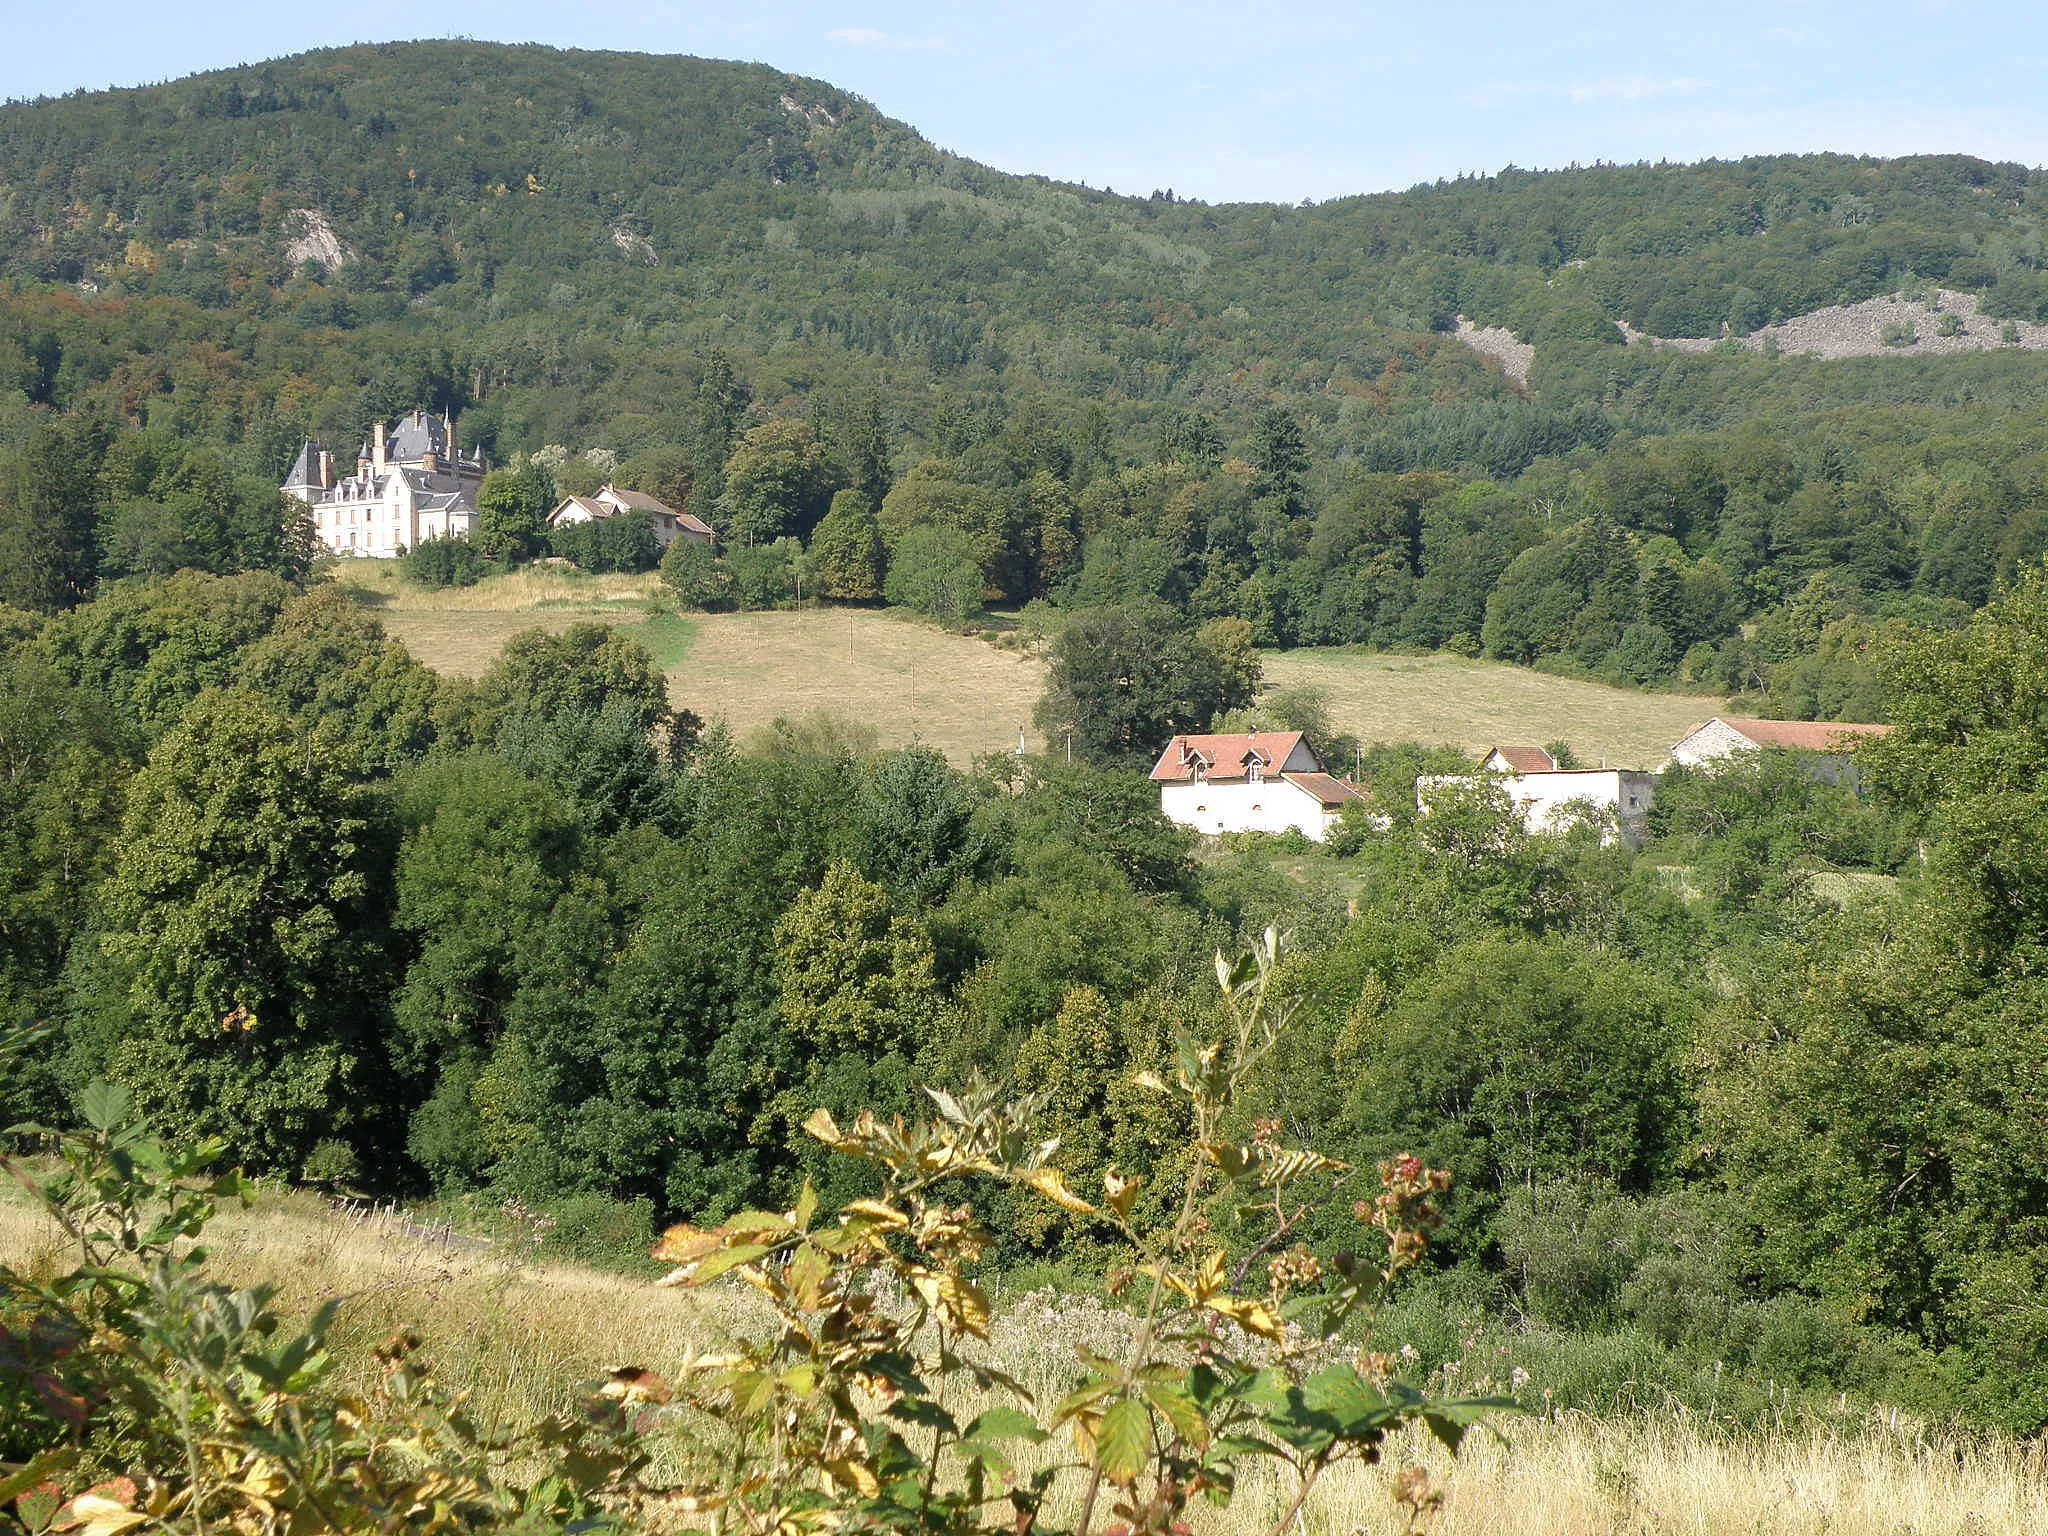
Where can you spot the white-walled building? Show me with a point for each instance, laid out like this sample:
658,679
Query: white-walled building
669,524
1726,736
1261,781
1551,799
408,485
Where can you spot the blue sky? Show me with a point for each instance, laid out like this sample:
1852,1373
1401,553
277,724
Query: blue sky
1230,102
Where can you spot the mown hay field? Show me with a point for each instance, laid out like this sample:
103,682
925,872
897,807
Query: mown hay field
910,681
1451,701
519,1336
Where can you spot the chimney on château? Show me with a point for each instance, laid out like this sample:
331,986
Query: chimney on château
377,450
326,470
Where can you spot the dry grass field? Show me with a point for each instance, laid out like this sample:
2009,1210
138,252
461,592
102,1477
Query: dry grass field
910,681
460,630
519,1336
1477,704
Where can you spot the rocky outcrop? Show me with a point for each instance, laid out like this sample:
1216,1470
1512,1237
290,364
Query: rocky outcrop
309,237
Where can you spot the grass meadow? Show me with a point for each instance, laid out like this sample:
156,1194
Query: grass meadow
910,681
1474,705
519,1336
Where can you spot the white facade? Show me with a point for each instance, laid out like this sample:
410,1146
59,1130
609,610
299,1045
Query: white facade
1274,805
408,486
1826,744
1261,781
669,524
1616,800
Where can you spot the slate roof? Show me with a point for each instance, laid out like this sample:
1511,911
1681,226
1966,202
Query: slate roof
1223,756
1802,735
415,437
306,467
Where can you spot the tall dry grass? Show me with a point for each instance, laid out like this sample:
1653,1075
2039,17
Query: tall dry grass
519,1335
378,584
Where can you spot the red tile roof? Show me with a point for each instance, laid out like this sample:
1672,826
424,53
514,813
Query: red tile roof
1526,759
1803,735
1334,793
1223,756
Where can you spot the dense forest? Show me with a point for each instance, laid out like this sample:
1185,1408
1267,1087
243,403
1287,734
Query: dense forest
1242,411
546,936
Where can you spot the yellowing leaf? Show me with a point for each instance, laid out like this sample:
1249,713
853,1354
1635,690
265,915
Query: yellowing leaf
848,1473
1123,1442
716,1264
877,1212
1052,1184
964,1304
1122,1192
821,1125
1252,1316
684,1244
1180,1409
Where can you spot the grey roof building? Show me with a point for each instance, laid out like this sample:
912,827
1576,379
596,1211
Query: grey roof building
409,483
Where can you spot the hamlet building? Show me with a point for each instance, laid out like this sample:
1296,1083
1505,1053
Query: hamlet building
1261,781
668,524
407,485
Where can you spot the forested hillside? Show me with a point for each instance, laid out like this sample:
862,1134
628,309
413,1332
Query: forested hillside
1749,1120
1112,397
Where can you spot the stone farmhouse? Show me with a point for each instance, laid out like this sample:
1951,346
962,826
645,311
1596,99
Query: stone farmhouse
407,485
1829,743
610,501
1554,799
1261,781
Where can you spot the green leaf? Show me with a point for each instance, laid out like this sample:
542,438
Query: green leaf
105,1106
14,1484
1005,1424
922,1410
1123,1443
1451,1421
1353,1406
718,1262
1178,1406
1087,1395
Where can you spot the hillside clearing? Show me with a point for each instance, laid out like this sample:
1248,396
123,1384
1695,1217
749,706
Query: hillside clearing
1476,704
911,681
907,679
519,1337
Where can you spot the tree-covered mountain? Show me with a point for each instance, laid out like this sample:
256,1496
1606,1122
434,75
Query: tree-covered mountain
537,212
1245,411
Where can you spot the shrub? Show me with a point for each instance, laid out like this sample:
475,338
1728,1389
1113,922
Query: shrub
1899,333
602,1232
444,562
700,580
1153,1428
605,545
934,573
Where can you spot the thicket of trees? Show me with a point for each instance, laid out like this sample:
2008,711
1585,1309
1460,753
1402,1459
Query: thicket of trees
764,294
540,935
